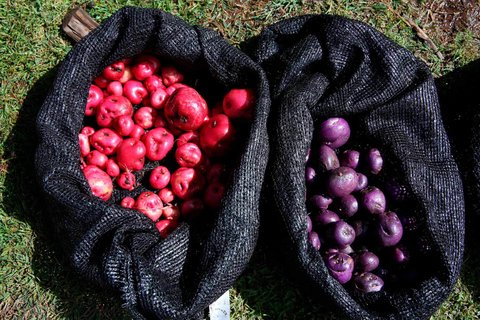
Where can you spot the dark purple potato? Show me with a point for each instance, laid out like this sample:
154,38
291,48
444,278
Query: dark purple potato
361,228
362,181
346,250
340,266
367,282
374,161
310,176
372,199
399,254
324,217
341,181
350,158
388,229
345,206
319,201
327,159
395,190
366,261
340,234
333,132
309,224
409,222
314,240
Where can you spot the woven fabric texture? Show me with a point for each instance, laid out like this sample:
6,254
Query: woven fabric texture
119,248
321,66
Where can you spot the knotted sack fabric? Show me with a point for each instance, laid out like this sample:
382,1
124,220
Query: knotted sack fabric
119,248
322,66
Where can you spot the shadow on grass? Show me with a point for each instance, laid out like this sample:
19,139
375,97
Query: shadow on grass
74,297
459,94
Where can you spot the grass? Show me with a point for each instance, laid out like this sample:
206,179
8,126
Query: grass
36,281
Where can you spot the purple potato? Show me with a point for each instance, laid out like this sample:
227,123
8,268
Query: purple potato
327,159
340,234
307,157
399,254
366,261
333,132
395,190
345,206
388,229
372,199
324,217
314,240
309,224
374,161
341,181
361,228
319,201
367,282
350,158
362,182
310,175
340,266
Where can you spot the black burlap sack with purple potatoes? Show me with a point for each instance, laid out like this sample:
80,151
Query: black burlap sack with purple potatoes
119,248
322,66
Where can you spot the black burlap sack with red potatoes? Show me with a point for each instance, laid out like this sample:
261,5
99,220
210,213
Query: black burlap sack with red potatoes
322,66
121,249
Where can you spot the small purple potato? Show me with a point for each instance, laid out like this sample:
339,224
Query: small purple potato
395,190
339,265
398,254
333,132
361,228
327,159
374,161
340,234
345,206
372,199
324,217
314,240
346,250
362,181
366,261
319,201
309,224
310,176
367,282
388,229
350,158
341,181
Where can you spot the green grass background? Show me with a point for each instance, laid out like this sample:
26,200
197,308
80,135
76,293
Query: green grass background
35,279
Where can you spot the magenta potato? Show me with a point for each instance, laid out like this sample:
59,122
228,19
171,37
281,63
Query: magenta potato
310,175
314,240
327,159
345,206
333,132
319,201
340,266
350,158
341,181
366,261
399,254
388,229
372,199
374,161
367,282
324,217
340,234
362,182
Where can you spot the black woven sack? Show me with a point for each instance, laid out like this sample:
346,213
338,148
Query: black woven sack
119,248
322,66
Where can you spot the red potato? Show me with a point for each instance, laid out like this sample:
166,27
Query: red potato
217,173
218,136
158,98
142,70
240,104
113,107
171,212
175,130
151,59
145,117
158,143
99,181
127,75
166,227
126,180
112,168
114,71
187,182
137,132
217,108
204,164
124,125
160,121
171,89
95,97
135,91
115,88
192,208
213,194
84,144
150,204
88,131
128,202
153,83
101,81
131,155
190,136
167,195
186,109
160,177
188,155
171,75
106,141
96,158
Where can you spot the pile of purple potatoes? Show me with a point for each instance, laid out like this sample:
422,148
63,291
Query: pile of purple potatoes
350,220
